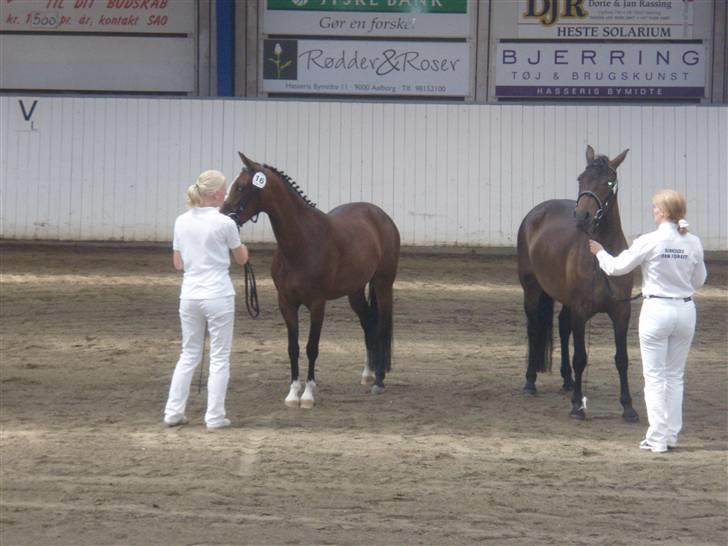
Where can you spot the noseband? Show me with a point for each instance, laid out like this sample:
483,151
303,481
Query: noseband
601,207
235,215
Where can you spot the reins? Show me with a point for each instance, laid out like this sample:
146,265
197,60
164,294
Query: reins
251,292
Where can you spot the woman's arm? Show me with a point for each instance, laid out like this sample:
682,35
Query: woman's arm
240,254
177,261
625,262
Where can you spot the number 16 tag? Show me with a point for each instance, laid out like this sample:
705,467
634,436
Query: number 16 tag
259,180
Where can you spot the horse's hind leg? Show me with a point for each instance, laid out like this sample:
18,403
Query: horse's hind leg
368,322
539,314
383,332
564,334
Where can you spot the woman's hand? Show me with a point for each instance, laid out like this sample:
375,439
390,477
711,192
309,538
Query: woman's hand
594,247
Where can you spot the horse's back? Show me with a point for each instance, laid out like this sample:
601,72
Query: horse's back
551,247
365,221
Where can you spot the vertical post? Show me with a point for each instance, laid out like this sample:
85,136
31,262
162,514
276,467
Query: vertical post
225,16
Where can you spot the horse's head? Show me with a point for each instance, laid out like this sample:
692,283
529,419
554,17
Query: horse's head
243,201
597,189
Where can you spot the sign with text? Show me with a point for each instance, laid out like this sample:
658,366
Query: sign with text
366,68
606,19
132,16
600,70
380,18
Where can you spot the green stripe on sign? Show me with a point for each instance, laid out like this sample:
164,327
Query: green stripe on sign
372,6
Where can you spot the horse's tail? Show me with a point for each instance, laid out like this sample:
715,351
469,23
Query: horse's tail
383,330
540,333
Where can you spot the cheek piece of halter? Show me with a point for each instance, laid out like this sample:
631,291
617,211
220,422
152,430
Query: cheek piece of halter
601,207
235,215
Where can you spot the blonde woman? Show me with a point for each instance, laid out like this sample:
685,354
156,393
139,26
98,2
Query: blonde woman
672,269
203,240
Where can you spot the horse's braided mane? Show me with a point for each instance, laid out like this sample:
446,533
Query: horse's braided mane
295,187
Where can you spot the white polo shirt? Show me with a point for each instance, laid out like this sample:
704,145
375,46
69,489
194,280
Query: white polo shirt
204,238
672,264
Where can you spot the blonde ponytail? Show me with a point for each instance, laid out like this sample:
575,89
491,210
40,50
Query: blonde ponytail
674,205
207,183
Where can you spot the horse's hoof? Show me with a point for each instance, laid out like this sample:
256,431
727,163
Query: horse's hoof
631,416
578,414
529,389
367,380
568,386
307,403
293,402
377,389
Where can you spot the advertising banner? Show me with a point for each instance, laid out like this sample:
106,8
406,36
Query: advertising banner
355,67
362,18
129,16
600,70
606,19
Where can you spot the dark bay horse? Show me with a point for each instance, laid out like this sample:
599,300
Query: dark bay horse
321,257
554,263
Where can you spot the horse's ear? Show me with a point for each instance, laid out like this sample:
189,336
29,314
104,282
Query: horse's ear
589,154
247,162
617,161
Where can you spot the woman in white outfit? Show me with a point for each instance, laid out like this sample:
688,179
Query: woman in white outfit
203,239
672,269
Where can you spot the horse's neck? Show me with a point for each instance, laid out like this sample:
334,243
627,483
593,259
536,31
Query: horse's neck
613,235
297,226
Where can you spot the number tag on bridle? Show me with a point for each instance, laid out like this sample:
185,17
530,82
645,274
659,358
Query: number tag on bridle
259,180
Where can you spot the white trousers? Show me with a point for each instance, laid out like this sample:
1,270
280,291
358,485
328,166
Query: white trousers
218,315
666,331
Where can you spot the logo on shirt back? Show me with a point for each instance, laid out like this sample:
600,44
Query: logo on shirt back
674,254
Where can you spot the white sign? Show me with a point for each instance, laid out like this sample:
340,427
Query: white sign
137,16
366,68
600,70
365,18
606,19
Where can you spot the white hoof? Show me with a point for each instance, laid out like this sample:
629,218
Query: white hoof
308,399
376,389
367,376
293,400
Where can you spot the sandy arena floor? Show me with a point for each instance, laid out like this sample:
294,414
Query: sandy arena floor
452,453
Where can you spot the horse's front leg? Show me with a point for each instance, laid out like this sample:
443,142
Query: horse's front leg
290,316
578,405
620,320
564,334
317,310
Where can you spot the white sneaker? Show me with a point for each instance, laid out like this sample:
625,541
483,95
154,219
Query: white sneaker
225,424
647,446
176,421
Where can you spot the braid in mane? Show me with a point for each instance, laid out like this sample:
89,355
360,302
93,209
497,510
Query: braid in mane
292,185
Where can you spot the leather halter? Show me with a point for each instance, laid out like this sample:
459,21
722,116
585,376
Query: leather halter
601,207
235,214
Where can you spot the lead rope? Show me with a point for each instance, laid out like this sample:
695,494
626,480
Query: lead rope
251,292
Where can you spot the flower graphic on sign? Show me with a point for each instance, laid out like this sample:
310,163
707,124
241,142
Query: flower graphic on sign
280,64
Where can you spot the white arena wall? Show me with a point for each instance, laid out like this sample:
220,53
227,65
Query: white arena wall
115,169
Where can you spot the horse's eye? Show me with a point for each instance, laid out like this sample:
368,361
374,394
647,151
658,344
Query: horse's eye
238,188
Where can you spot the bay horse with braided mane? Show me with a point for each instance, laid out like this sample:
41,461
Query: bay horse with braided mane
321,257
554,263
